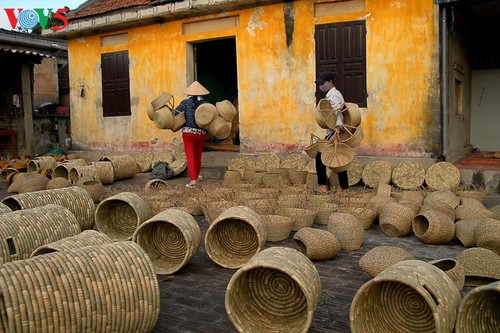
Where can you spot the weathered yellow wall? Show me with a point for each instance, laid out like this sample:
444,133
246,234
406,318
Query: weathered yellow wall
275,82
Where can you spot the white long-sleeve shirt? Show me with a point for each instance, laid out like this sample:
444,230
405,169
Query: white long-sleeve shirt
337,101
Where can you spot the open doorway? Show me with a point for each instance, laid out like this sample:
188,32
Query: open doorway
214,64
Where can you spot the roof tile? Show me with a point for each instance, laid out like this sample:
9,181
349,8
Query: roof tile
96,7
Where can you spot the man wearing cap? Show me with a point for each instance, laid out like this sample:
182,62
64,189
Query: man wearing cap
326,83
192,135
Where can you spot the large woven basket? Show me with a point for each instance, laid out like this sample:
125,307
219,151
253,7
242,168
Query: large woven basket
432,227
347,229
463,212
453,269
163,118
91,289
104,171
316,244
212,209
232,177
439,207
170,238
352,114
120,215
235,237
297,177
279,227
179,121
366,215
396,219
205,114
94,187
482,266
323,212
242,162
39,163
62,170
226,110
445,196
380,258
442,175
124,166
301,217
408,176
323,107
78,172
337,157
276,291
410,296
376,172
351,136
163,99
465,231
83,239
487,235
478,311
219,128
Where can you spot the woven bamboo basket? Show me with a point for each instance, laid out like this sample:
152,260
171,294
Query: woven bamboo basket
384,189
205,114
166,156
487,235
20,179
77,200
312,149
279,227
465,230
190,205
316,244
280,287
329,117
242,162
226,110
213,209
257,177
23,231
301,217
91,289
445,196
323,106
124,166
471,202
337,157
248,175
453,269
62,170
322,144
395,219
282,171
274,179
261,206
154,184
366,215
472,212
120,215
442,175
163,118
380,258
83,239
243,195
104,171
219,128
376,172
432,227
403,298
323,212
409,196
267,161
312,180
354,171
482,266
178,166
150,111
170,238
475,194
478,311
351,135
232,177
82,171
37,183
293,162
163,99
352,114
408,176
377,202
4,208
291,201
439,207
297,177
347,229
179,121
39,163
235,237
93,187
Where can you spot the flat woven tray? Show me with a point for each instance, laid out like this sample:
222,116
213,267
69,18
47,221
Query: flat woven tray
267,161
408,176
442,175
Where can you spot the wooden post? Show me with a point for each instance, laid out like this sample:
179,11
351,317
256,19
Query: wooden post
26,70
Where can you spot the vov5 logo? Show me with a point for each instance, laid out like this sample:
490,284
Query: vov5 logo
28,18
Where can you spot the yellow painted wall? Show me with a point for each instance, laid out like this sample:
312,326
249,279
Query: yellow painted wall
275,82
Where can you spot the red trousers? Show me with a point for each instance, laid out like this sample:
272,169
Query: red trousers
193,148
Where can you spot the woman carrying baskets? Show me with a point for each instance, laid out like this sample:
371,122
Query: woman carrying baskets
326,83
192,135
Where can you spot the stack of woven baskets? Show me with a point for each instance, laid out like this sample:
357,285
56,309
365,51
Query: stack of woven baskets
216,119
161,111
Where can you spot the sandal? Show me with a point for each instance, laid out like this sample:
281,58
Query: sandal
189,185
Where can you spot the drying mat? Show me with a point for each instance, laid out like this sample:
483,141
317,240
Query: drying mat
442,175
144,160
487,235
482,266
267,161
347,229
240,163
465,230
409,296
443,196
453,269
120,215
235,237
432,227
478,311
84,238
395,219
316,244
294,162
170,238
276,291
92,289
380,258
376,172
279,227
408,176
301,218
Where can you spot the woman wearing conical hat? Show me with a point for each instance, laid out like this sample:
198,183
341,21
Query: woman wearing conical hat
192,135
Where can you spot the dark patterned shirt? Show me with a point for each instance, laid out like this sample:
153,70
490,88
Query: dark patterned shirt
189,106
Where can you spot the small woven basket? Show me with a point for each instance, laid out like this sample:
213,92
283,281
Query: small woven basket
219,128
325,105
213,209
161,100
432,227
291,201
347,229
380,258
170,238
337,157
351,136
445,196
235,237
280,286
279,227
453,269
297,177
232,177
316,244
262,206
301,218
93,187
163,118
482,266
487,235
124,166
179,121
323,213
312,149
396,219
465,230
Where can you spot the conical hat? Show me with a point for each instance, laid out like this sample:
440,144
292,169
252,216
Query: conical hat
196,89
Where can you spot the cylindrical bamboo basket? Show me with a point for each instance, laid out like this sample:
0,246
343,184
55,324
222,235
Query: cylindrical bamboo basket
93,187
226,110
337,157
120,215
71,243
62,170
445,196
163,118
316,244
4,208
382,257
39,163
104,171
235,237
432,227
219,128
453,269
396,219
478,311
78,172
279,227
76,199
280,287
347,229
124,166
22,231
104,288
170,238
410,296
205,114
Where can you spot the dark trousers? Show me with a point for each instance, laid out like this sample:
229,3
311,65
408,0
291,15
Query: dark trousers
323,178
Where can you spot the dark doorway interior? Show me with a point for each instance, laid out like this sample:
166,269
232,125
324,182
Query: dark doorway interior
216,69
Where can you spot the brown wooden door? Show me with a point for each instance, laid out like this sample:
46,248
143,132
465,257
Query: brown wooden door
115,84
341,48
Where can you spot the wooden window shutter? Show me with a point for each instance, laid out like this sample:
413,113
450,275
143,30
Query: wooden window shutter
115,84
